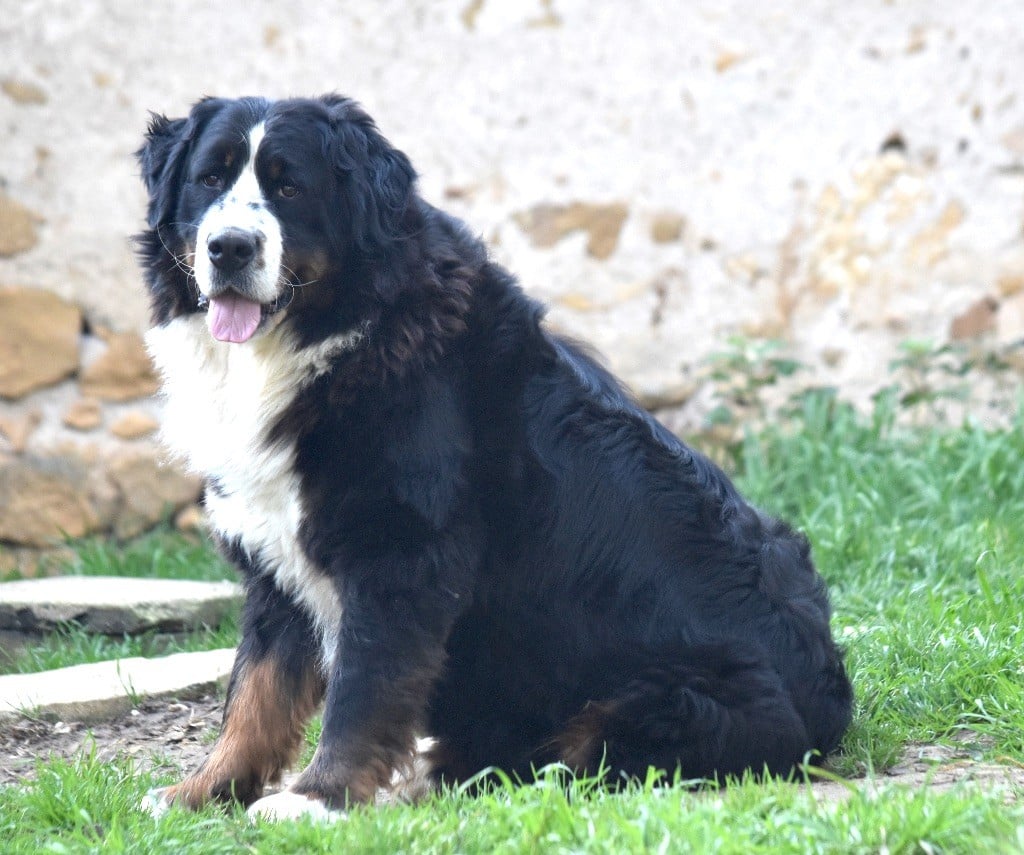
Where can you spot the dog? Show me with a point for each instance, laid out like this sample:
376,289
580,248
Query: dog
448,519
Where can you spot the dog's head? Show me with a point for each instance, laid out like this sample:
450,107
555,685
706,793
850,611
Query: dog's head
252,200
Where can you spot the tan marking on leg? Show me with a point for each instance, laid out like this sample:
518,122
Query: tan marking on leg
581,744
263,728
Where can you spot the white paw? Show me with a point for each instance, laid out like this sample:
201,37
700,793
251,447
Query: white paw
154,803
289,805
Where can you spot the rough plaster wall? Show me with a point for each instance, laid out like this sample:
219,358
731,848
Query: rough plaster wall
756,127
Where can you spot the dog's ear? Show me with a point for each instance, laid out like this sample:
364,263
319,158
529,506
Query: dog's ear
164,152
380,178
160,159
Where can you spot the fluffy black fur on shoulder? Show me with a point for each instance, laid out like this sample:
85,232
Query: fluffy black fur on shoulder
449,520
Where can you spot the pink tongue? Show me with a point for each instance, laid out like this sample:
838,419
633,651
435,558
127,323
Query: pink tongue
233,318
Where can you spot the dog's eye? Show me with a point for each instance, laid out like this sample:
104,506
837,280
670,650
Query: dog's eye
289,191
211,180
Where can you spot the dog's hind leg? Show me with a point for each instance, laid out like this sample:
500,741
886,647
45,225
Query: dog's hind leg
708,712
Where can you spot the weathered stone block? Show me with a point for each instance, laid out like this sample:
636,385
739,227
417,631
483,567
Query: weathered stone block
17,227
44,501
114,605
38,338
104,689
122,372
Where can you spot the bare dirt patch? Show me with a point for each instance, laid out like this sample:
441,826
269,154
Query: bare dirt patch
174,737
938,766
158,735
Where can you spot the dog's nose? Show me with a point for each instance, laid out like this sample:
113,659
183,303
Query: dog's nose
232,249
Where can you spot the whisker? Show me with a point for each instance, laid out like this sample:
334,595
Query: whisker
290,275
180,261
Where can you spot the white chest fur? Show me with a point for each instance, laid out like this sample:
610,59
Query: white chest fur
221,399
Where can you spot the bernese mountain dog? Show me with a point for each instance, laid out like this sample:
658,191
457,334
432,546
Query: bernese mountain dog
449,520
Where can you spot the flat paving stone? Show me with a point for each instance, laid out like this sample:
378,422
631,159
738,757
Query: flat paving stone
113,605
95,692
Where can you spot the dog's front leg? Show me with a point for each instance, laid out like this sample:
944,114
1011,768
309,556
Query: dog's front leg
390,652
276,685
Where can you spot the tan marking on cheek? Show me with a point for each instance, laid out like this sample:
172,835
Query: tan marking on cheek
308,268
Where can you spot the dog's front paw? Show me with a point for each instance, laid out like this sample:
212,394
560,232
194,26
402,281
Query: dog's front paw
200,789
159,800
156,802
289,805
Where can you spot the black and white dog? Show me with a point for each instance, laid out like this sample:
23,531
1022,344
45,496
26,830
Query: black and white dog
449,520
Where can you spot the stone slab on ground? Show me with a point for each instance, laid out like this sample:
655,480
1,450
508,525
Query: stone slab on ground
114,605
101,690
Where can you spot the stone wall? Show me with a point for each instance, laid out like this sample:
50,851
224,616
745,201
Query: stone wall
840,177
77,426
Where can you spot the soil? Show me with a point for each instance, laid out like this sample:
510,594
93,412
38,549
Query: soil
174,737
160,735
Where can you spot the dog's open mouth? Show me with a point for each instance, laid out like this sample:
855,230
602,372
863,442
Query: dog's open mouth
236,319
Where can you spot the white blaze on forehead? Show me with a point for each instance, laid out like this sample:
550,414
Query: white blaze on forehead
247,188
243,206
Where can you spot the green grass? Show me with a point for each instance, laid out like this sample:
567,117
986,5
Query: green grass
71,645
161,555
88,806
919,533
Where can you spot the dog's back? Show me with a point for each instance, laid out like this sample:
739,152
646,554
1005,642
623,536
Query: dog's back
623,570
